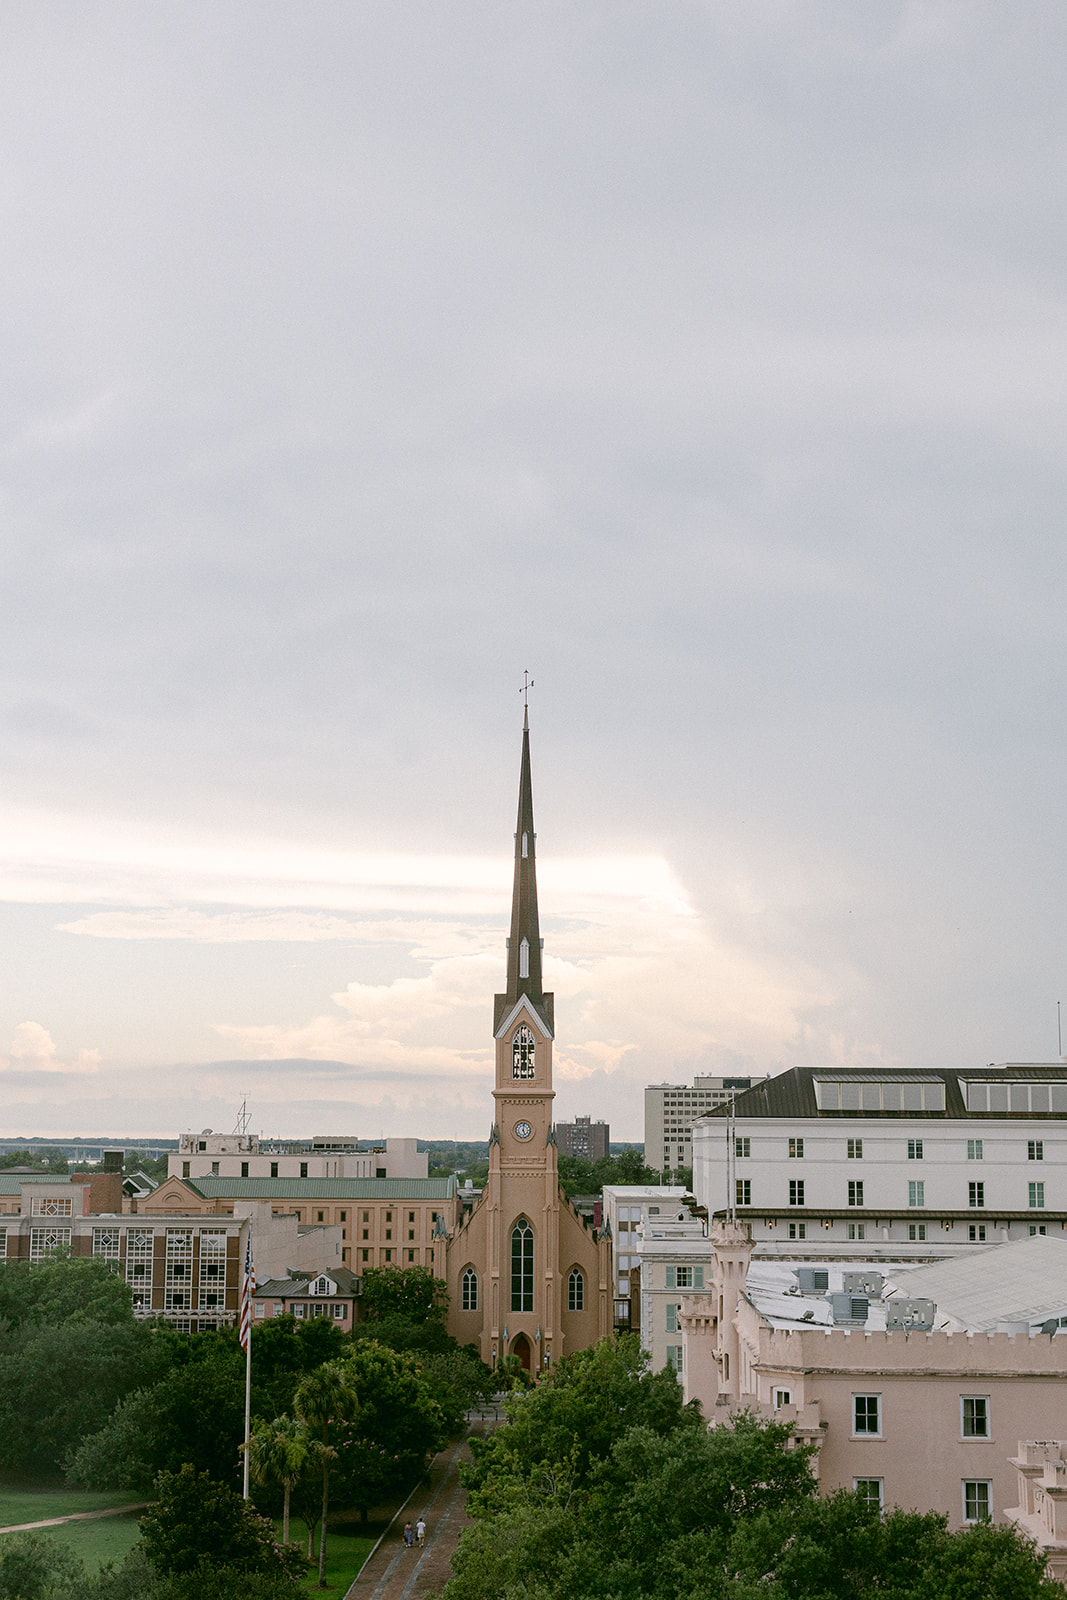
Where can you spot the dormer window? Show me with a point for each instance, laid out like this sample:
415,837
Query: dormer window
322,1286
525,845
524,955
522,1053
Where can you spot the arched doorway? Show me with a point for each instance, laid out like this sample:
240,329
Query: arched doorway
520,1346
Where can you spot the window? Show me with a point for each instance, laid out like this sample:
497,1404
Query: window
742,1148
782,1397
299,1311
411,1233
1037,1196
869,1491
976,1194
796,1149
915,1153
867,1413
576,1290
974,1416
303,1169
274,1169
977,1500
364,1255
1038,1229
366,1216
685,1278
388,1233
411,1217
1035,1150
857,1230
388,1216
916,1230
796,1191
387,1255
976,1232
366,1233
974,1149
339,1312
43,1241
743,1190
319,1216
469,1290
344,1216
411,1255
51,1207
917,1194
106,1243
855,1194
522,1053
524,947
798,1230
674,1357
185,1169
214,1169
854,1147
244,1174
522,1266
261,1308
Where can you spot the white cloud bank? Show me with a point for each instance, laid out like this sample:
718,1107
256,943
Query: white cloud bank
33,1051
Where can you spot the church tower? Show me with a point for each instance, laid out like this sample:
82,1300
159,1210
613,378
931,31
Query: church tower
527,1276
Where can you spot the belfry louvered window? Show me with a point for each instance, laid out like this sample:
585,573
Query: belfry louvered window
522,1266
522,1053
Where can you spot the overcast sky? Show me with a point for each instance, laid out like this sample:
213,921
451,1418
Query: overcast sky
707,359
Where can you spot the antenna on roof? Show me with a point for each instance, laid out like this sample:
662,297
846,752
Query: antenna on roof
1059,1033
244,1116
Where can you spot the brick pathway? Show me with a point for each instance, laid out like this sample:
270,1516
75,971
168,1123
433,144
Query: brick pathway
396,1573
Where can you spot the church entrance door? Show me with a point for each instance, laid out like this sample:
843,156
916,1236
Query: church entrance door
520,1346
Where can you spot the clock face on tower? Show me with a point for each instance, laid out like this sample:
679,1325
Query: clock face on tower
523,1130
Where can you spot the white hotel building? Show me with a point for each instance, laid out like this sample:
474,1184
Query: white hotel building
910,1156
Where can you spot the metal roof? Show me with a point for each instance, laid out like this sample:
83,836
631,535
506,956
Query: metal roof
311,1189
1023,1281
792,1093
10,1181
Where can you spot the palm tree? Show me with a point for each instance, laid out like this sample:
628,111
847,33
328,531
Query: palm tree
323,1398
280,1452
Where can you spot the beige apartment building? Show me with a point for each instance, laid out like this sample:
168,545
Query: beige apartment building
249,1155
914,1384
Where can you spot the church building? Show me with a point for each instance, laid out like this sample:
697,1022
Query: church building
527,1276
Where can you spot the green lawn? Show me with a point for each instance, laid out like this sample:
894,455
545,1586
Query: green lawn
107,1539
345,1554
34,1505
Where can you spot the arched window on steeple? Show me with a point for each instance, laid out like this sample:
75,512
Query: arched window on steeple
524,959
525,845
522,1052
469,1290
522,1266
576,1290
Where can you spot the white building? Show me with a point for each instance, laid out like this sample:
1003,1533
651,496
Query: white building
626,1207
248,1155
676,1259
935,1159
670,1110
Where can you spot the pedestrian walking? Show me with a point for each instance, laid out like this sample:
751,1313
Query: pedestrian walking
407,1534
420,1531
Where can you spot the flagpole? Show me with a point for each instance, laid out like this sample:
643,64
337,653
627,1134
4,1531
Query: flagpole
246,1340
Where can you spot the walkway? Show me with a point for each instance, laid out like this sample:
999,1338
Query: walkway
394,1572
75,1516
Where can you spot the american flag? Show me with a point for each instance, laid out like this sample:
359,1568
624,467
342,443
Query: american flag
248,1289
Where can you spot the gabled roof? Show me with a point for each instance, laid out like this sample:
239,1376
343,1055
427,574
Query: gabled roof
298,1283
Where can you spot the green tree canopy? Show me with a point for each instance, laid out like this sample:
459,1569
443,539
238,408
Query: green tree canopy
62,1289
400,1423
589,1177
412,1294
197,1522
36,1567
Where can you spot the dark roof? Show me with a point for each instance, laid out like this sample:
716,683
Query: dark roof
311,1189
297,1282
792,1093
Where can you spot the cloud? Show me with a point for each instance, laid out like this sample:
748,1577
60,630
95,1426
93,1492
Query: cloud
32,1051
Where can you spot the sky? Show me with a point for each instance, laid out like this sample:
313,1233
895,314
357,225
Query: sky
706,360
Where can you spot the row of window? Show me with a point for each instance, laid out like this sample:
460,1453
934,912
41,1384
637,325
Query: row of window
1035,1149
522,1277
976,1231
916,1193
975,1420
976,1496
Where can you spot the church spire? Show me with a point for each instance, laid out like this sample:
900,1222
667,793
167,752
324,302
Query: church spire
524,946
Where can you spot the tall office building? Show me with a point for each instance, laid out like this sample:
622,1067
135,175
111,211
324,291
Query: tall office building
670,1109
584,1139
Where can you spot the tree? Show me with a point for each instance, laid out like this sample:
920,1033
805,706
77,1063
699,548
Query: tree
284,1351
324,1400
63,1289
36,1567
279,1452
399,1425
197,1523
410,1293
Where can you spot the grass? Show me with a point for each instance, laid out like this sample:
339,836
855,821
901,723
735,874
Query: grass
345,1554
34,1505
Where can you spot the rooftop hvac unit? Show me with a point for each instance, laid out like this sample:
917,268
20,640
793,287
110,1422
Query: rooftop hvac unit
869,1283
914,1316
848,1308
812,1280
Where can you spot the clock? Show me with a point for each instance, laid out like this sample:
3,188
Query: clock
523,1130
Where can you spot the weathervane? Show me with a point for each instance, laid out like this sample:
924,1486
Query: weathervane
527,685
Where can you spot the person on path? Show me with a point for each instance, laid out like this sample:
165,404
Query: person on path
420,1531
407,1534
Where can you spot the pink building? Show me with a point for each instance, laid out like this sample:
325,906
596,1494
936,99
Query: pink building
914,1384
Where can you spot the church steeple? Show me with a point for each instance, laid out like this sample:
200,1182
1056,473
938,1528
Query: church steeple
524,946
